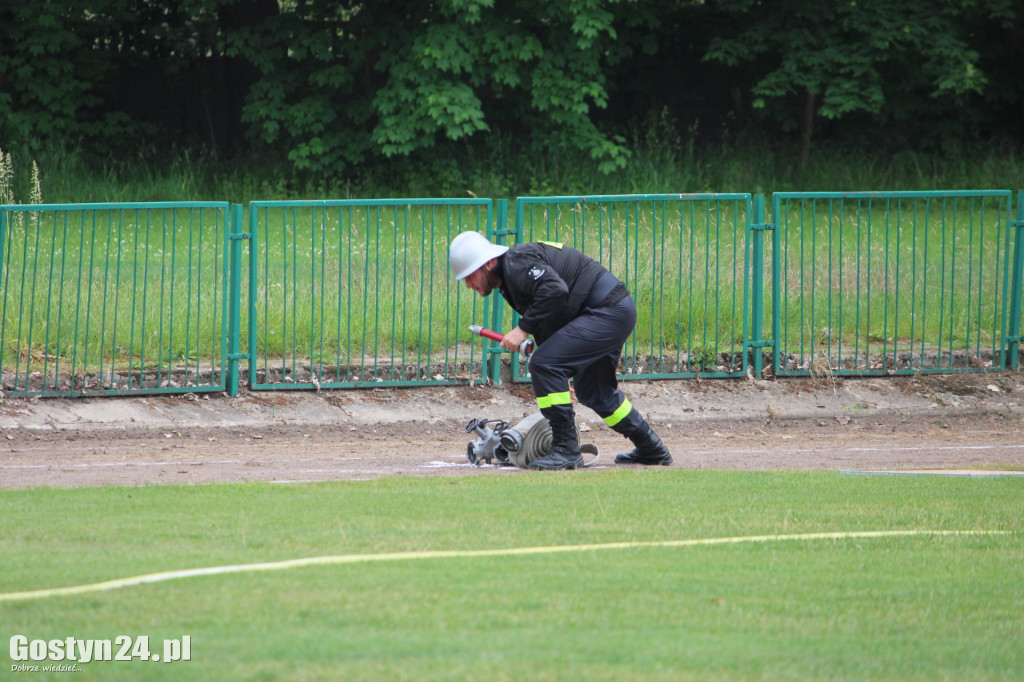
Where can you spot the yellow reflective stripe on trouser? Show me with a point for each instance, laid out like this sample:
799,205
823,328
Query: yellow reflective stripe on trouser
554,399
619,414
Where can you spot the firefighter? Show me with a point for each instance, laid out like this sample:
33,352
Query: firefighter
580,316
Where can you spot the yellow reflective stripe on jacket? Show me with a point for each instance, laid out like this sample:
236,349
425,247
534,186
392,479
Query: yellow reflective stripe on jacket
556,245
619,414
554,399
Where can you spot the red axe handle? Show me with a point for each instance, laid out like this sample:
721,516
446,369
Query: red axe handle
486,333
526,347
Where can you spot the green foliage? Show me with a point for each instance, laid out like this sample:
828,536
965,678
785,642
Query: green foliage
864,55
62,68
339,85
50,88
342,92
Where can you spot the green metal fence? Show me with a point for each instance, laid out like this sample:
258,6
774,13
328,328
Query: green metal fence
357,293
110,299
877,283
685,259
113,299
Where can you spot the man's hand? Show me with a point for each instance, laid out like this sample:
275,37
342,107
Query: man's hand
513,339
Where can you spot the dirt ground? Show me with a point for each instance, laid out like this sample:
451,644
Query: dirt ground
936,422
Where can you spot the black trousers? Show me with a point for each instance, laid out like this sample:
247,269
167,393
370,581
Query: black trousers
587,350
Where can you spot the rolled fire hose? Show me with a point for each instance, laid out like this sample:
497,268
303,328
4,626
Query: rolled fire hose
527,441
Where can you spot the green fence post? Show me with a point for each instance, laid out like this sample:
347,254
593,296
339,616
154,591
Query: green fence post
3,236
776,286
234,298
755,339
3,289
1013,335
493,304
253,273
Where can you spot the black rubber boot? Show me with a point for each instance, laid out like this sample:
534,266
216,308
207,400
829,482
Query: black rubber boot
649,449
565,449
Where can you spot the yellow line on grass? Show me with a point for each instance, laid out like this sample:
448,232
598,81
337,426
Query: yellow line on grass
462,554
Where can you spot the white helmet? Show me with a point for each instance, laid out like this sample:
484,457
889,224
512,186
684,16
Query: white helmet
469,251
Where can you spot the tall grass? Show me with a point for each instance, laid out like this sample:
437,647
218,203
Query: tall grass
663,160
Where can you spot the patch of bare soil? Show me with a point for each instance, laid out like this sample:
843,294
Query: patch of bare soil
960,421
798,425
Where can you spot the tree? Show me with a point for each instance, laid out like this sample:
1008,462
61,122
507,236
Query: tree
43,90
342,82
835,58
113,73
337,86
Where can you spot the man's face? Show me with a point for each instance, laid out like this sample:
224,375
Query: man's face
480,281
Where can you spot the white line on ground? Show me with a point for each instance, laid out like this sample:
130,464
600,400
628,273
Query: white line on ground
466,554
830,449
439,464
975,473
87,465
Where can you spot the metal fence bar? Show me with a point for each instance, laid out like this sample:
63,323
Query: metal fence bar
684,259
881,283
358,293
1016,232
494,307
231,344
754,283
92,295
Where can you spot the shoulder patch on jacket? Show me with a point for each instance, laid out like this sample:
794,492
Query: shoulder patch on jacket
536,273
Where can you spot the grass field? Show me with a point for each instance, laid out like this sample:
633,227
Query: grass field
911,607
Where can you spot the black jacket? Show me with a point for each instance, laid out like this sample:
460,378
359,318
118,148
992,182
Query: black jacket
547,284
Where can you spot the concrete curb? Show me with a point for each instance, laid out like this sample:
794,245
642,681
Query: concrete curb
661,402
106,414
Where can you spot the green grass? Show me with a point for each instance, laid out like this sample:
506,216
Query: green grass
660,162
913,608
